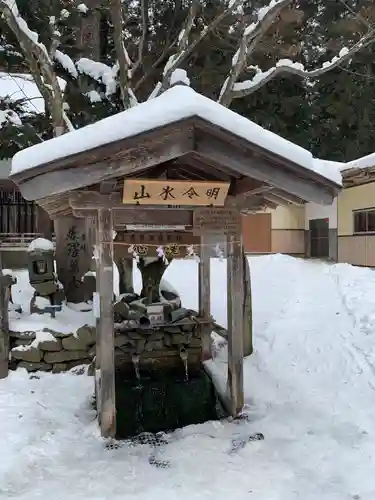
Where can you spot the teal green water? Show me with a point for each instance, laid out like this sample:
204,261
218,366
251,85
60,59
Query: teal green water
163,401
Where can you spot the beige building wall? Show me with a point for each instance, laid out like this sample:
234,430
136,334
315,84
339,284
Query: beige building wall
287,230
354,248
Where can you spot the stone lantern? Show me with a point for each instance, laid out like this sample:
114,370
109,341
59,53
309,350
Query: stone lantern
42,275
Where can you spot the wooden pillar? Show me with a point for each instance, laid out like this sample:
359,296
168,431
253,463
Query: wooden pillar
247,308
106,324
204,291
235,299
43,223
5,282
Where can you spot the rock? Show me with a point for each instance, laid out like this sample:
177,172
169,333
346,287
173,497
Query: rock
129,297
195,342
138,306
154,345
22,342
78,362
140,345
167,340
50,345
155,336
59,367
122,309
27,353
64,356
181,339
135,335
22,335
92,352
91,369
74,344
173,329
35,367
86,334
121,340
58,335
46,288
168,295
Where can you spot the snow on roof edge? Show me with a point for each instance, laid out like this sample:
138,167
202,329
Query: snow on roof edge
177,103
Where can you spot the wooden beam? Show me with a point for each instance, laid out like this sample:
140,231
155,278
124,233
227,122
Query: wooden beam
204,291
235,300
259,169
165,217
286,196
106,325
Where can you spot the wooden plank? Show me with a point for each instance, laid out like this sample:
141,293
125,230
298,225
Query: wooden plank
204,299
106,325
162,192
216,220
261,170
235,298
165,217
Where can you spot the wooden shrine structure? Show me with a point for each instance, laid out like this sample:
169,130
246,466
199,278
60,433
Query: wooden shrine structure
190,173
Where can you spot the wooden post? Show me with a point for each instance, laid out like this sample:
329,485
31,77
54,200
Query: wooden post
235,298
247,308
5,282
204,290
106,325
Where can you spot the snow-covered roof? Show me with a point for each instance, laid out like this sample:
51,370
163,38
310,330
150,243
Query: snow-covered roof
364,162
178,103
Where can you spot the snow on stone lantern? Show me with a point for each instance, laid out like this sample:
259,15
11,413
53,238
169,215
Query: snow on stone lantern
41,265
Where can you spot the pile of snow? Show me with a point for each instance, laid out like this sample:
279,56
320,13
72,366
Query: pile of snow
364,162
177,103
309,389
68,320
41,244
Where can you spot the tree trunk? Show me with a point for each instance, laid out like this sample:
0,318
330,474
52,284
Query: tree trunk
152,274
125,271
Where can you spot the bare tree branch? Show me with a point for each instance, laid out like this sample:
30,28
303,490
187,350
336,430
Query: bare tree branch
123,58
141,45
285,66
40,65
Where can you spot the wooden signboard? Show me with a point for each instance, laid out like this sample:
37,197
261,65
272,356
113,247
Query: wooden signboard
183,193
216,220
145,244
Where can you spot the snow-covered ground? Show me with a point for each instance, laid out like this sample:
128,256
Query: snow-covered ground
309,389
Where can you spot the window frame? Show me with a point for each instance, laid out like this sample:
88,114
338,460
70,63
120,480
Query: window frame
365,211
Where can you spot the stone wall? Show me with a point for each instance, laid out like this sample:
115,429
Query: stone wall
47,350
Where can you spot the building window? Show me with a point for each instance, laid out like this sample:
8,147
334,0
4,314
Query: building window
364,221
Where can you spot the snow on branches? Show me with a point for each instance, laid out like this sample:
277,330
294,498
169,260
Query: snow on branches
40,64
252,35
